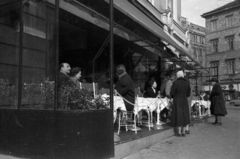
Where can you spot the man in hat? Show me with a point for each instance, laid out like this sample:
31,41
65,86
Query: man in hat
217,107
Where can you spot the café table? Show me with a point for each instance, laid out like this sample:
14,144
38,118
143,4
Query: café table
147,104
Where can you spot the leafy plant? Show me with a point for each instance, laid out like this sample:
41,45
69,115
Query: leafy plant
8,94
74,98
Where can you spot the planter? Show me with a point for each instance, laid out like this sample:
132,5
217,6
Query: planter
57,134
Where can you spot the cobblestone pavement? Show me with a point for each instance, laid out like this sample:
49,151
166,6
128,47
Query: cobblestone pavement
205,141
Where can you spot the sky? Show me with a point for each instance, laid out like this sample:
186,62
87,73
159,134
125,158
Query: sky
193,9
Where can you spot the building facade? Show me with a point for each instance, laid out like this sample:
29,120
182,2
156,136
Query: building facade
197,49
223,46
37,35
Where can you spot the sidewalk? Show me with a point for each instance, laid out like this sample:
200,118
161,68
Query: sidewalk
145,138
205,141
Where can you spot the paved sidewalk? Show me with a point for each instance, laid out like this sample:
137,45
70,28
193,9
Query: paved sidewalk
206,141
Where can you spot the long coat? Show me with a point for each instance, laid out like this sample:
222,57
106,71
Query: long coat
217,101
180,110
125,87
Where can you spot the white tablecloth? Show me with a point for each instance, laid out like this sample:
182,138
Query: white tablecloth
141,103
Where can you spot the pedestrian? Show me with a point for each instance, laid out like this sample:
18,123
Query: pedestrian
189,102
217,107
180,110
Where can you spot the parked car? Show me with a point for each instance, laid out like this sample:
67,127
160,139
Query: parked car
234,102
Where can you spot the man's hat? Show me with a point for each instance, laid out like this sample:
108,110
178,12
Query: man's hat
214,80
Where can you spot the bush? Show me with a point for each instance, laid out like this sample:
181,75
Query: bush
74,98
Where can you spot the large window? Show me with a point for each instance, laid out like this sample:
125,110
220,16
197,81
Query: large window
214,67
230,42
213,25
202,40
24,60
214,45
229,21
9,54
230,66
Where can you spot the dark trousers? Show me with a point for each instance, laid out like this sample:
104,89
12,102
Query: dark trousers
164,114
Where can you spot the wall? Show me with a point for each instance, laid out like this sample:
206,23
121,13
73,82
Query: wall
221,32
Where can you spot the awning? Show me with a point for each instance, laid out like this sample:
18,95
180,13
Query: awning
131,11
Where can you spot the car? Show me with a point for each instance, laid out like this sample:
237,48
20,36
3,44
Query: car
234,102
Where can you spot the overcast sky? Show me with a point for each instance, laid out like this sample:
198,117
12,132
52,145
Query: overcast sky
193,9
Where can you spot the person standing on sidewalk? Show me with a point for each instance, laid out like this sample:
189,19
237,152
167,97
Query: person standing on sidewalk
180,90
217,107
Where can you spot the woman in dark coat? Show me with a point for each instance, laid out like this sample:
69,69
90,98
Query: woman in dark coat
217,107
151,90
180,111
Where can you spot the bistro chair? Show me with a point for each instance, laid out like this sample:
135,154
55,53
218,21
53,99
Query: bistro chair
127,119
145,120
138,92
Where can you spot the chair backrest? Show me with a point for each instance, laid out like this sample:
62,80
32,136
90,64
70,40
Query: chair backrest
105,91
138,92
89,86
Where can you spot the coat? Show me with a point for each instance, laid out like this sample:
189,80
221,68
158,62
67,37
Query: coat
180,110
150,93
62,78
217,101
125,87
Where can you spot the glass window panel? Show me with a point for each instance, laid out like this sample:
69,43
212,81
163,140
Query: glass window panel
229,21
230,66
37,90
9,53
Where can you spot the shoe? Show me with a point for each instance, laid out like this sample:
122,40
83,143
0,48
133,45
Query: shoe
183,135
219,124
178,135
187,131
215,123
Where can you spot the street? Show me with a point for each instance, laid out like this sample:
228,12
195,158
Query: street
205,141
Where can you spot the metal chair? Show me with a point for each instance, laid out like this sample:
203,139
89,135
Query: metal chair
126,119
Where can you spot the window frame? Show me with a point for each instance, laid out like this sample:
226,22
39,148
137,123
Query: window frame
227,17
230,42
214,45
214,67
230,66
213,25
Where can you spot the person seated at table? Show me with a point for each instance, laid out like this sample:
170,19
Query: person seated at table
203,97
147,85
151,90
194,109
75,75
